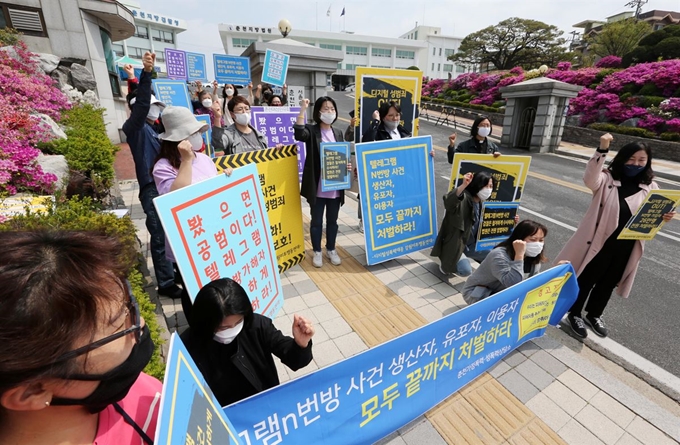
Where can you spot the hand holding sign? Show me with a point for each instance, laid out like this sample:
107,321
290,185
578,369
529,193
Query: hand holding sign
668,216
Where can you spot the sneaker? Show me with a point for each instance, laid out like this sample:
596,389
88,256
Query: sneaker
317,261
334,257
361,226
597,325
577,326
172,291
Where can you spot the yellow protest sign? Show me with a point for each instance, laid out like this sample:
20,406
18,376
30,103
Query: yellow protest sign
510,173
376,86
538,305
648,220
278,172
17,205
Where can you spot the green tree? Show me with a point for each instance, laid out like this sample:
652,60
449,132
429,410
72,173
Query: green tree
659,45
513,42
618,38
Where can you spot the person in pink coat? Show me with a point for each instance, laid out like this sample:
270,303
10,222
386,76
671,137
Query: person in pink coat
601,261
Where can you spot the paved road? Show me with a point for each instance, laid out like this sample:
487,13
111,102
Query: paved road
647,321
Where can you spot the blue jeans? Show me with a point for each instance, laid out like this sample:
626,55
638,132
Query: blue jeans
165,275
464,267
332,208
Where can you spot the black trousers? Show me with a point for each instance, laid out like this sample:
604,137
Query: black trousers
186,300
599,278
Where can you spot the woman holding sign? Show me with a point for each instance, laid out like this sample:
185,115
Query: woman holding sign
601,260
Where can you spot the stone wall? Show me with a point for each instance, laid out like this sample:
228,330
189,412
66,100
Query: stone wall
466,113
591,138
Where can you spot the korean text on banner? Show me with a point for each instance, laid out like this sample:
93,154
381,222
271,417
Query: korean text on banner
15,205
496,225
648,220
277,177
275,67
334,172
176,64
232,69
510,173
396,182
196,68
207,136
372,394
172,93
276,123
213,235
376,86
189,411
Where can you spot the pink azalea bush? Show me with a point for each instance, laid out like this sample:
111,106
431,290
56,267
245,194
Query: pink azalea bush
25,91
609,62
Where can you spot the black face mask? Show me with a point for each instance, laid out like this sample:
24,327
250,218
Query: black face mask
116,383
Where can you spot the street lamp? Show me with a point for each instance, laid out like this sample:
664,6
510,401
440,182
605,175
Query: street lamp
285,27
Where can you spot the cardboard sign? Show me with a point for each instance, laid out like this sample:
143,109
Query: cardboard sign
176,64
334,172
232,69
510,173
648,220
196,68
275,68
172,93
496,224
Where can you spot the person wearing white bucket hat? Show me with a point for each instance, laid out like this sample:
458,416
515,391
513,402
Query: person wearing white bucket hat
180,163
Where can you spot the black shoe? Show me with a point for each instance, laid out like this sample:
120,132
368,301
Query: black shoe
172,291
577,325
597,325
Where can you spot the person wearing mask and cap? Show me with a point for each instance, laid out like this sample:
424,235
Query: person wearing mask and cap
478,142
180,163
144,144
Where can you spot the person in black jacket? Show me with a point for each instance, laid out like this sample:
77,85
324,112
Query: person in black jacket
233,347
478,142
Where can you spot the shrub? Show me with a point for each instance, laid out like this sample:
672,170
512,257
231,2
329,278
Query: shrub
650,101
670,136
611,128
83,215
9,36
604,73
649,89
609,62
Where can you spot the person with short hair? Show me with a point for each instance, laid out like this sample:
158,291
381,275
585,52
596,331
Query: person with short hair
241,136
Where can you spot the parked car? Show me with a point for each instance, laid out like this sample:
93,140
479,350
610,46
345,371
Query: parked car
350,87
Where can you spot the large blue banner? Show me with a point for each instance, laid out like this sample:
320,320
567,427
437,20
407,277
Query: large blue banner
189,411
219,228
196,69
172,92
372,394
275,67
277,124
232,69
396,182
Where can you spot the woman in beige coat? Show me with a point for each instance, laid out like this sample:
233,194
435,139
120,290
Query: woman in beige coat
601,261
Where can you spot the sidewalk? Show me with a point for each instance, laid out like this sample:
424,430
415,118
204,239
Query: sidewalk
552,390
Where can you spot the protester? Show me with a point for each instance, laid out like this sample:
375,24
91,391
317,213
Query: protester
230,91
205,104
73,343
265,93
241,136
233,347
603,262
275,101
180,163
513,260
144,145
324,116
461,222
478,142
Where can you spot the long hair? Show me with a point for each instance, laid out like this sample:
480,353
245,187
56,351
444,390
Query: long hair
524,230
475,125
625,153
169,150
479,181
225,97
216,300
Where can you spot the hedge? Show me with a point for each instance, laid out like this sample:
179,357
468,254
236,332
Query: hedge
455,103
630,131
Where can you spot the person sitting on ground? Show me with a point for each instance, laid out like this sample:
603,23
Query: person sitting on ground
478,142
233,347
515,259
73,343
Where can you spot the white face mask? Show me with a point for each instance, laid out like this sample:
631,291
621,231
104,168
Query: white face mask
226,336
484,193
196,141
207,103
483,131
328,118
391,125
154,112
229,92
242,118
534,249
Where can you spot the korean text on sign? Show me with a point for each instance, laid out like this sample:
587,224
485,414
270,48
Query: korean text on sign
176,63
276,123
275,68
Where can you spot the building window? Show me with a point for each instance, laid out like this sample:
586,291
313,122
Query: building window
432,66
434,51
439,67
168,37
406,54
448,67
349,66
29,21
380,52
160,56
141,31
330,46
156,34
118,49
339,65
416,35
449,52
658,27
460,69
356,50
136,53
440,52
110,62
242,43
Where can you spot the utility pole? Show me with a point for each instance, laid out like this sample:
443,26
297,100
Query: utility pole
637,4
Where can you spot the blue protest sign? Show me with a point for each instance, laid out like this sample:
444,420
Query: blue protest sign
232,69
275,67
220,228
176,64
276,123
196,69
207,136
496,225
372,394
396,182
172,92
189,411
334,172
